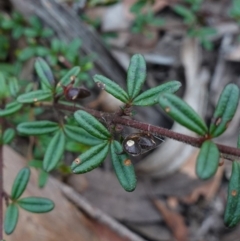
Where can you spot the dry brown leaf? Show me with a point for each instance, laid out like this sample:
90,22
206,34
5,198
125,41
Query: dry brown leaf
174,221
208,190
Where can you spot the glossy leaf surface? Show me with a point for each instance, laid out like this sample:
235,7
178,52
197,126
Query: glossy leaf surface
11,218
182,113
54,151
91,125
225,109
80,135
34,96
20,183
10,109
37,127
90,159
36,204
123,167
44,72
136,75
150,97
111,87
207,160
232,211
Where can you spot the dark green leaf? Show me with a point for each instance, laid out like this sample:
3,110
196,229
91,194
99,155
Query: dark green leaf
44,72
26,53
91,125
123,167
80,135
37,127
4,88
35,163
232,211
42,51
225,110
207,160
54,151
13,86
11,218
136,75
182,113
10,109
36,204
111,87
150,97
90,159
42,178
20,183
8,135
34,96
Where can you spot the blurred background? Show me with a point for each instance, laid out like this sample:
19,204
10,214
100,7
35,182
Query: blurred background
196,42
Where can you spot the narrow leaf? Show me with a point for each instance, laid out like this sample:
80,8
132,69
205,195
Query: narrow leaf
37,127
123,167
207,160
20,183
54,151
232,211
4,88
90,159
91,125
42,178
11,218
150,97
13,86
225,110
34,96
182,113
8,136
44,72
36,204
80,135
136,75
111,87
10,109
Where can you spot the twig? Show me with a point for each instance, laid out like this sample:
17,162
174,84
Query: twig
98,215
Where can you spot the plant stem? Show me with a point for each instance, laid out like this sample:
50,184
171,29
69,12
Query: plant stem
227,152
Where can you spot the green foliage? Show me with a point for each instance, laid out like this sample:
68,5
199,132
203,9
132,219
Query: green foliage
207,160
8,136
20,183
225,109
11,218
181,112
123,167
235,10
34,96
10,109
232,211
90,159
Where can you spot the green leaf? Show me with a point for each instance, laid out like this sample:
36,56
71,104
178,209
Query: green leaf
188,15
10,109
225,110
136,75
123,167
13,86
8,136
207,160
44,72
35,163
54,151
46,32
56,45
34,96
36,204
42,178
20,183
137,6
37,127
91,125
11,218
90,159
232,211
26,53
42,51
80,135
150,97
182,113
4,88
111,87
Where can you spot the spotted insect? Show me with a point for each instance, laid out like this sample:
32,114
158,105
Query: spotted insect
137,144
